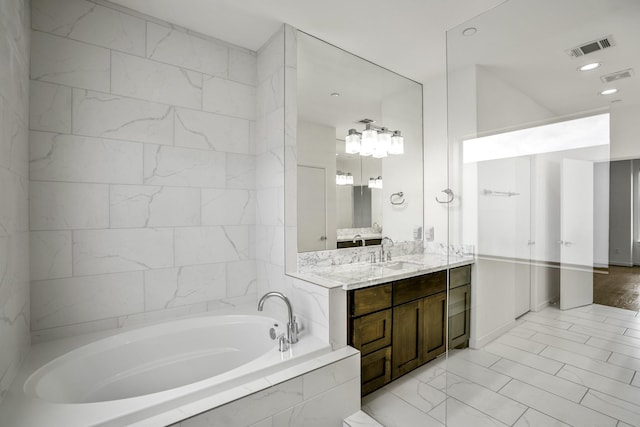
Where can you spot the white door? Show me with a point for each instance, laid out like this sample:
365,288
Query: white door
312,220
576,227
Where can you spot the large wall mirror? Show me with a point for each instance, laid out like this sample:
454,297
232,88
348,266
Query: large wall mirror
343,190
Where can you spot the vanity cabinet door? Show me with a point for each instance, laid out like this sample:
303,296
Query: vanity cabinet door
408,329
375,370
435,326
459,316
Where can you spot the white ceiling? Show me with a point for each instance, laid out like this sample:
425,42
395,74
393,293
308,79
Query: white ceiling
522,42
405,36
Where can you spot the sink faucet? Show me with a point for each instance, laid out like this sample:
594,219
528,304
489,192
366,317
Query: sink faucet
292,326
382,257
356,237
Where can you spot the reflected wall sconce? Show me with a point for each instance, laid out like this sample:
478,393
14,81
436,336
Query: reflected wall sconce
374,141
343,178
375,182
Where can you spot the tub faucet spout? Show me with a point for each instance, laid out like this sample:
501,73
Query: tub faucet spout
292,326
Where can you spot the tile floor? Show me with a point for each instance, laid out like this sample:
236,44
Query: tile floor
576,368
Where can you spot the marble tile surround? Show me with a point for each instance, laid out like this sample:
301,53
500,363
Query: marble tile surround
14,187
141,170
318,398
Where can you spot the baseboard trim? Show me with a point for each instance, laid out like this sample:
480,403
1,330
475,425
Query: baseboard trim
481,342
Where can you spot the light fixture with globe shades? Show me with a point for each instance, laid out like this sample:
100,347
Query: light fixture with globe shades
376,141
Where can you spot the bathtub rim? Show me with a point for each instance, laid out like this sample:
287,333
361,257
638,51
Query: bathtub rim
17,402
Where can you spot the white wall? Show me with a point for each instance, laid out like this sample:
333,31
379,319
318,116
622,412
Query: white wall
621,210
14,167
625,128
142,178
401,112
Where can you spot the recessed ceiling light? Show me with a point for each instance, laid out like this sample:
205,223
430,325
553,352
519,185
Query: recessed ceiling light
609,91
335,94
468,32
590,66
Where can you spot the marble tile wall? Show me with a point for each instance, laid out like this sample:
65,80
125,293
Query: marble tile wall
319,398
14,186
275,151
142,173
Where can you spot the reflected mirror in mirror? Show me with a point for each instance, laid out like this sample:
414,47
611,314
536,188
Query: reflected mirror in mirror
344,188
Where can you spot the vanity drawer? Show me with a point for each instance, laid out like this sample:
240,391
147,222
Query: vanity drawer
371,332
418,287
371,299
459,276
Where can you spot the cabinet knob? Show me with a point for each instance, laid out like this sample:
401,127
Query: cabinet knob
323,238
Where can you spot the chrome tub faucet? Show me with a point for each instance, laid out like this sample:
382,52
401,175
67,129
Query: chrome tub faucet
292,326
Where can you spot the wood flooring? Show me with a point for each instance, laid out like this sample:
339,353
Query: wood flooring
617,287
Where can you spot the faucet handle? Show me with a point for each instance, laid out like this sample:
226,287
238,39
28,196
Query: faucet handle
293,331
283,345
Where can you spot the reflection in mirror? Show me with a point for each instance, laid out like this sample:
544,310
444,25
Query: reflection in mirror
344,192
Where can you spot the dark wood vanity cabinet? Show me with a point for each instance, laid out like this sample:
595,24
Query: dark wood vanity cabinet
459,307
402,325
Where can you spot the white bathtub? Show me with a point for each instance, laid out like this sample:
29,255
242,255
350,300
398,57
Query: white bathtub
131,376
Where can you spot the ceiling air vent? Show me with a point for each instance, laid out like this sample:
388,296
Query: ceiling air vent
618,75
592,46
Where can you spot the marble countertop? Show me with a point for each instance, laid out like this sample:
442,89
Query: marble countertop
362,275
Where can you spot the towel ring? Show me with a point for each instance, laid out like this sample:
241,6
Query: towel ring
399,195
450,197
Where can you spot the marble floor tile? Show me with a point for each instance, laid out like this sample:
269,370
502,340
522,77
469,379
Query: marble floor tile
564,410
552,383
533,418
521,332
591,324
542,320
585,350
577,360
521,343
616,408
453,413
484,400
630,322
478,357
417,393
633,333
625,361
391,411
627,350
561,333
611,336
533,360
477,374
602,384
